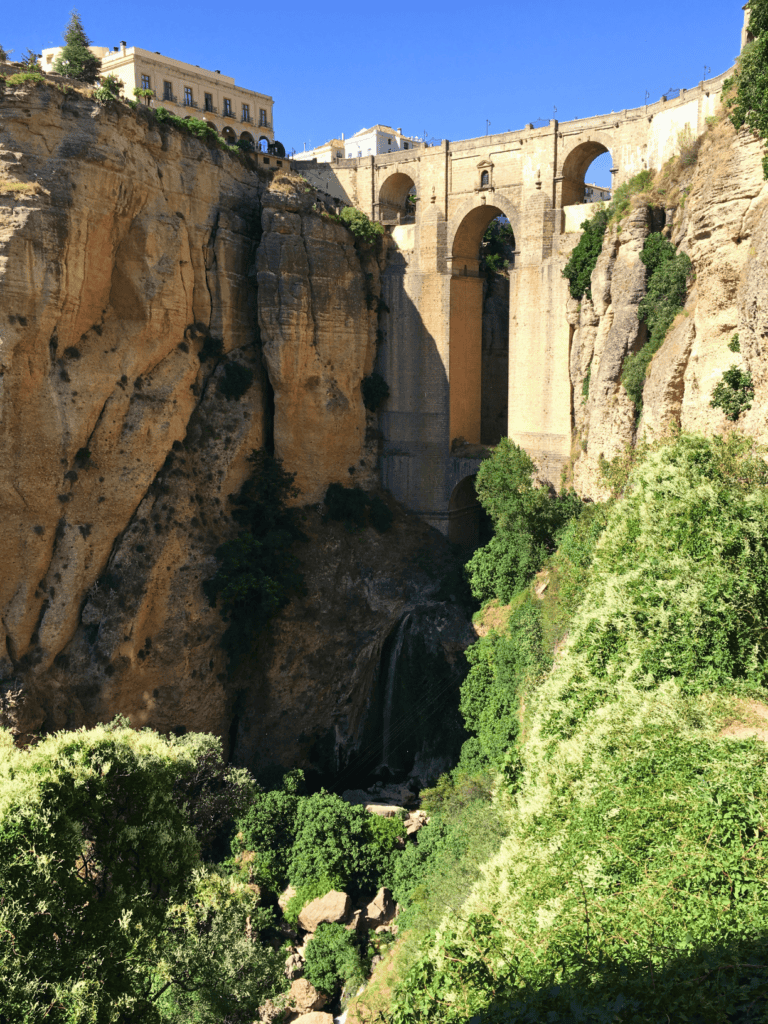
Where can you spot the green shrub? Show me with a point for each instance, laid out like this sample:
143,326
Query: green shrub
367,233
212,348
257,569
585,384
734,393
235,381
332,957
357,508
375,391
268,831
497,249
668,274
734,345
25,78
75,59
341,846
108,91
748,105
103,894
525,518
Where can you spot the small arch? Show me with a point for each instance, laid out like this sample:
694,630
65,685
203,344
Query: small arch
263,145
246,140
469,525
229,135
575,167
212,125
394,202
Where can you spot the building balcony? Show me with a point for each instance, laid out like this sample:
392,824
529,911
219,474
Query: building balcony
246,120
168,97
211,109
190,103
265,124
229,113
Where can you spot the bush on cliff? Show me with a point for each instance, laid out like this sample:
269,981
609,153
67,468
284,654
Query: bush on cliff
75,59
631,882
257,569
366,232
668,273
333,957
106,911
526,520
748,104
357,508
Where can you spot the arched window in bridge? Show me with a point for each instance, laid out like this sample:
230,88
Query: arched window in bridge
485,179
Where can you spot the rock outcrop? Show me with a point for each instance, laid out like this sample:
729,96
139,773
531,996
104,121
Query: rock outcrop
168,307
718,215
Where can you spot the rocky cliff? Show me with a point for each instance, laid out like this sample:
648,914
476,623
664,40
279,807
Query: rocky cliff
716,211
166,308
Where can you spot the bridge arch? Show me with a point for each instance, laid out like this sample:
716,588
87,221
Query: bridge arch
469,224
576,163
466,365
393,197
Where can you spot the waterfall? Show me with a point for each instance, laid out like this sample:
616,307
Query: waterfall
389,693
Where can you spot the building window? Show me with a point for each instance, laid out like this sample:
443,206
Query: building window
485,179
227,108
167,91
340,154
405,145
349,156
188,100
262,117
246,112
145,82
209,102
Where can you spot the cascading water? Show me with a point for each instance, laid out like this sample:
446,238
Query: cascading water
389,693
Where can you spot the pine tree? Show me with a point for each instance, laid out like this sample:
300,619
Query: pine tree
75,59
3,53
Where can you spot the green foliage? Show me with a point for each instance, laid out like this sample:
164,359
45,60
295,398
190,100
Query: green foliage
357,508
257,569
525,519
108,91
25,78
332,957
668,274
734,393
235,381
734,345
99,863
582,260
75,59
194,126
31,61
341,846
585,384
375,391
497,249
268,831
630,884
367,233
748,105
3,54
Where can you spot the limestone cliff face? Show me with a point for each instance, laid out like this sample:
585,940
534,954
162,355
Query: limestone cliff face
721,222
136,265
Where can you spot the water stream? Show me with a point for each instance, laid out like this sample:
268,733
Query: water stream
389,693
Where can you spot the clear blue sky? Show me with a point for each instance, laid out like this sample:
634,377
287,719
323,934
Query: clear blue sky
440,69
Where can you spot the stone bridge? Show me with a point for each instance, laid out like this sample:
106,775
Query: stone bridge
437,419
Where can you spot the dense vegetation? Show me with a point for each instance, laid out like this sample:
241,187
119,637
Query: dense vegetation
75,59
257,570
497,249
747,93
629,884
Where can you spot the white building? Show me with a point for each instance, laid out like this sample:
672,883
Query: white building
187,91
367,142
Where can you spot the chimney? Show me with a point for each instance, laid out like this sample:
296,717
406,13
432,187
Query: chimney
399,131
123,45
217,72
342,136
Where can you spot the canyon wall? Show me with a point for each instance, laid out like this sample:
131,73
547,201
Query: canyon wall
167,307
716,212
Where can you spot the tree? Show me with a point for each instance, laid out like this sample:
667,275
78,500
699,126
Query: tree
3,53
105,908
75,59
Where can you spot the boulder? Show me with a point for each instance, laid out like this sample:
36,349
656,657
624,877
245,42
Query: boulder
285,896
355,796
294,966
332,907
381,909
355,922
314,1018
384,810
304,997
415,821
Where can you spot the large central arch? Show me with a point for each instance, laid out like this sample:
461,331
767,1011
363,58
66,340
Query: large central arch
393,197
465,370
575,166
